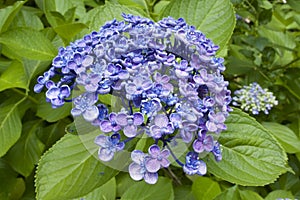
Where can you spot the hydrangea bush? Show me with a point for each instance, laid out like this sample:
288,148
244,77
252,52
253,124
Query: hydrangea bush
170,82
131,99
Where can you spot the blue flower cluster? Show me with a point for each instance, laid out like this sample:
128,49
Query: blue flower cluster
254,98
168,79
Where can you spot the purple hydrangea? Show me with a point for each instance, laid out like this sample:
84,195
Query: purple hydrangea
130,123
138,170
85,105
161,126
194,165
108,146
138,78
110,125
203,143
157,158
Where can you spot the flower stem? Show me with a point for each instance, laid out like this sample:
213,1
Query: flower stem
173,155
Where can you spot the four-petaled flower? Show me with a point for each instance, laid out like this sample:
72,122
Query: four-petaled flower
56,95
138,170
216,122
203,143
130,122
161,126
108,146
110,125
193,165
85,105
157,158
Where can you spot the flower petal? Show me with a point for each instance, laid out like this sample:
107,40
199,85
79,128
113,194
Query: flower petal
151,178
105,155
155,131
161,120
202,169
154,150
130,131
76,112
152,165
209,143
121,119
106,126
137,156
138,118
135,172
165,153
91,113
165,162
101,140
198,146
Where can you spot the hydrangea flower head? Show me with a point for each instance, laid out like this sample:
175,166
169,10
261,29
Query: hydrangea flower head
255,99
169,82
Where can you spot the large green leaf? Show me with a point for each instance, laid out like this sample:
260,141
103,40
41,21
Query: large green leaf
13,76
10,124
279,194
105,192
8,14
27,18
286,137
234,193
46,112
31,148
251,155
205,189
11,186
162,190
184,192
98,16
33,68
28,43
215,18
70,169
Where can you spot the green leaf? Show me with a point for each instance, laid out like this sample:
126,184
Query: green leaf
205,188
215,18
28,43
105,192
31,148
10,124
249,195
123,181
8,14
50,134
4,64
98,16
46,112
162,190
285,136
234,193
279,194
13,77
184,192
294,4
251,155
11,186
68,31
62,6
70,169
28,19
33,68
278,38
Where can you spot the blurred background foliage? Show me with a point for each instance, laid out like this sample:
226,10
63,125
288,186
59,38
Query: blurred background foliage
264,48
